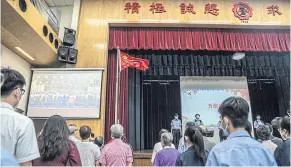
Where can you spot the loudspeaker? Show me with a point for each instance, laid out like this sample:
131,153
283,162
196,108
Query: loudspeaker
72,58
69,37
67,55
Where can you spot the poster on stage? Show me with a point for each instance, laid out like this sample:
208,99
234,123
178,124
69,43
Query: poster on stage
71,93
203,95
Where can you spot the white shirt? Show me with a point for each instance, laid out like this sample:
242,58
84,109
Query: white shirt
18,134
270,145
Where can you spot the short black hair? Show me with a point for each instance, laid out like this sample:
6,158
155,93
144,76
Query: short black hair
10,79
236,109
285,124
99,141
270,127
92,135
85,132
263,132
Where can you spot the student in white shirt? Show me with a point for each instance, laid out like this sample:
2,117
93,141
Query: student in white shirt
17,131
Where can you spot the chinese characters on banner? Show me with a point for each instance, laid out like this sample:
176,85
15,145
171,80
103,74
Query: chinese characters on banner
134,7
185,8
157,8
242,10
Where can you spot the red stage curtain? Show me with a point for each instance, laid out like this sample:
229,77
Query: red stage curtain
110,97
199,39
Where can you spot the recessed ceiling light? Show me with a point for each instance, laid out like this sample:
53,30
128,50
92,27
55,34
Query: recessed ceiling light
24,53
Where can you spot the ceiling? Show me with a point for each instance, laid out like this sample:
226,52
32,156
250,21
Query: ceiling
24,30
58,3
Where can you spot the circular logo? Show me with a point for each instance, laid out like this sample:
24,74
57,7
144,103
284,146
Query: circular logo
242,10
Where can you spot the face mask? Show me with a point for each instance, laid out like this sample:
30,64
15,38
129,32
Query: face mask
176,117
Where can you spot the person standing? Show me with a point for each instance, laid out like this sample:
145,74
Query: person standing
54,145
182,144
197,120
116,153
239,149
158,146
89,152
195,155
264,134
282,153
17,130
167,156
274,139
257,123
176,126
72,133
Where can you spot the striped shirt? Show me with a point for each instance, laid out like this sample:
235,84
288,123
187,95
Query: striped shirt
116,153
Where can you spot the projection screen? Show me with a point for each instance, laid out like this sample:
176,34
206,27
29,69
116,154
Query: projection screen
71,93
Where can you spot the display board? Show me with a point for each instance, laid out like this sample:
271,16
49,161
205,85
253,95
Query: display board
70,93
203,95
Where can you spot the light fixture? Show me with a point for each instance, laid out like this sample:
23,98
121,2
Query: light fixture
23,52
238,56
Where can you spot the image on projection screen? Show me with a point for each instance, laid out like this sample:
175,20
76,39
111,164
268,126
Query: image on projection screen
71,94
203,95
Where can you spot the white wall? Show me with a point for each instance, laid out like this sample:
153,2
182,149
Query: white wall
66,19
10,59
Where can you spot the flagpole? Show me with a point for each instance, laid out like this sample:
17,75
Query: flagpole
117,85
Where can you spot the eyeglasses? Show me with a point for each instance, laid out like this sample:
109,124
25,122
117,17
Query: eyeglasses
22,90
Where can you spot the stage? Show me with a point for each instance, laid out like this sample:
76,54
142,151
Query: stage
142,157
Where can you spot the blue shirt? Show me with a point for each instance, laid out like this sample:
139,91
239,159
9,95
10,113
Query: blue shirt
7,159
176,124
166,157
240,150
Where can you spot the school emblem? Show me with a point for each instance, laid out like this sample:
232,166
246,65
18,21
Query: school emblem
242,11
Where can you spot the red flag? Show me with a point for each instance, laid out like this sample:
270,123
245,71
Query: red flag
133,62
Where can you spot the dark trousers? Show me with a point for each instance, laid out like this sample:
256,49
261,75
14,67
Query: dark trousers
176,137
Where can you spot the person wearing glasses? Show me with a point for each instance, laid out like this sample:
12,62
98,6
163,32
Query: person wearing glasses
17,131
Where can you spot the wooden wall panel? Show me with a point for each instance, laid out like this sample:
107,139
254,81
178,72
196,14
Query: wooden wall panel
96,15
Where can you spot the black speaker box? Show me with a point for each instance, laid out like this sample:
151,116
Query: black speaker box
69,37
67,55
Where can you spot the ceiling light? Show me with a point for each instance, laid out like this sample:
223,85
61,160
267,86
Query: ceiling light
238,56
23,52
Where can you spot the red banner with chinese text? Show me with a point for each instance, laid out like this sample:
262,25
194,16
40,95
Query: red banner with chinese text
127,61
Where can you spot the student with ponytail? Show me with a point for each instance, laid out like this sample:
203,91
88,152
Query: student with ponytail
195,155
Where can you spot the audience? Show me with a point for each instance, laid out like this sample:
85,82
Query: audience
168,155
282,153
239,149
274,139
208,145
116,153
54,145
18,136
99,141
72,133
92,137
57,144
158,146
89,152
182,144
276,125
195,155
264,134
